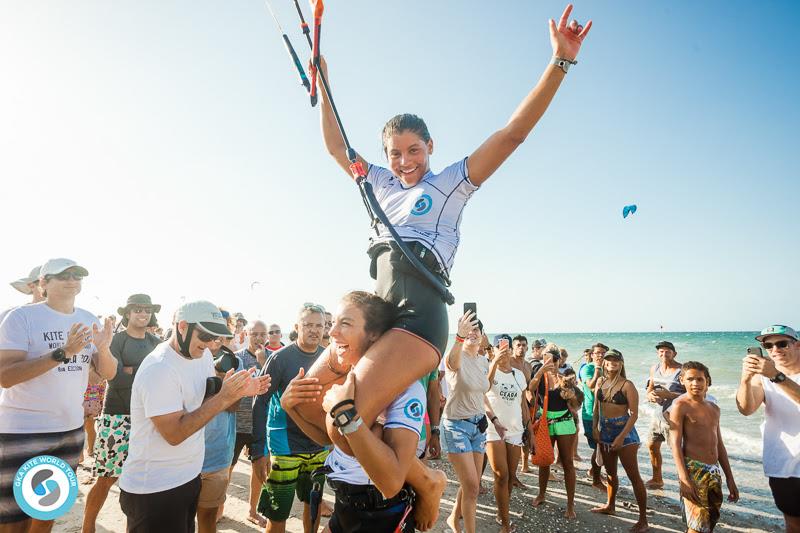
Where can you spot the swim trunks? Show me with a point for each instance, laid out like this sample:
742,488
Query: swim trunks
702,516
111,445
290,475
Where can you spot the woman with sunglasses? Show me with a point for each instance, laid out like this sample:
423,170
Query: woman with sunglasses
371,493
425,208
616,409
562,400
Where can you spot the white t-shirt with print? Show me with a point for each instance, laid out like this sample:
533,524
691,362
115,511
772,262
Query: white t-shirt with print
166,382
406,412
505,397
53,401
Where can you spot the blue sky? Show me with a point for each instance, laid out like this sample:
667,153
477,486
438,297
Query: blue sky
169,147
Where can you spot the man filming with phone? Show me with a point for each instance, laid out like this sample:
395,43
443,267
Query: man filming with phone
774,380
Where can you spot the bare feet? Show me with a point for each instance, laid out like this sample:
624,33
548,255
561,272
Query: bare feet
553,476
639,527
452,523
599,485
257,519
654,484
604,509
515,482
525,470
426,506
577,458
325,509
538,500
570,513
482,489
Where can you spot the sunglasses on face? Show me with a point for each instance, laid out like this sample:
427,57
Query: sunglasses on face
258,334
141,310
274,332
65,276
203,336
777,344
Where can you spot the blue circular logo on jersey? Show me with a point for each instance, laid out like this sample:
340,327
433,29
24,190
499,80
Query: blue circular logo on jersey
414,410
45,487
423,205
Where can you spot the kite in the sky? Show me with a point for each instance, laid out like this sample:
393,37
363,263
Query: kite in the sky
628,210
253,285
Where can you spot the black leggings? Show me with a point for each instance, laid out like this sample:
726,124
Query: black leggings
422,310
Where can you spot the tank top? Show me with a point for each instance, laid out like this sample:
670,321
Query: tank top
505,397
669,380
780,431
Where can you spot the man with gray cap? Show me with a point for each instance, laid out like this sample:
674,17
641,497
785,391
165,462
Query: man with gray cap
46,350
774,380
175,394
28,285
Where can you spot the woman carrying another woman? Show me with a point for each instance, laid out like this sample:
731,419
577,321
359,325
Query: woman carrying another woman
562,398
369,484
616,409
507,402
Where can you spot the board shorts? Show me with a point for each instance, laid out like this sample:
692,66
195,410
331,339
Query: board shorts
170,510
610,428
17,448
422,311
659,428
561,423
290,475
463,436
242,440
214,487
363,509
111,445
703,516
785,492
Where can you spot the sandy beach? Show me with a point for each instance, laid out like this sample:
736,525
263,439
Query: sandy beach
663,509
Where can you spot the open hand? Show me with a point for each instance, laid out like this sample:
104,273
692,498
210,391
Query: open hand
566,39
78,338
338,393
300,390
102,338
466,324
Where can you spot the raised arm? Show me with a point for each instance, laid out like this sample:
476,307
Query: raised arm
465,325
330,131
750,394
566,40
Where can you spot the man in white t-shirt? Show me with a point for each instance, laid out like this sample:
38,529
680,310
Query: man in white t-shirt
774,380
175,394
46,350
27,285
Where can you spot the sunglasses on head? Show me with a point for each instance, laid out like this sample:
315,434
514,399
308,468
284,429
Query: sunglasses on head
65,276
314,307
777,344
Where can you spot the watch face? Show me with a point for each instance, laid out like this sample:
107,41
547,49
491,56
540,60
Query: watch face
342,419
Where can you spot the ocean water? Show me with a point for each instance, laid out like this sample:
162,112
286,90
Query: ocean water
722,352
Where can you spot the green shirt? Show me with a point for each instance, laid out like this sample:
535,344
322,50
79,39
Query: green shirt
585,374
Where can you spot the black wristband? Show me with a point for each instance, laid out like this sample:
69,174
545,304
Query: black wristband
494,417
341,404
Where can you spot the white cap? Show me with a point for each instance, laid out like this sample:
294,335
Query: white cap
59,265
206,316
22,283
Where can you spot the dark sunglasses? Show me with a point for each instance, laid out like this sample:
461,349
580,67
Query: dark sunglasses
202,336
274,332
777,344
65,276
147,310
258,334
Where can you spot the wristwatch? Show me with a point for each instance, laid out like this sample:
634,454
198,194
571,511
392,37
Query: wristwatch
434,430
344,418
563,63
780,377
351,426
59,355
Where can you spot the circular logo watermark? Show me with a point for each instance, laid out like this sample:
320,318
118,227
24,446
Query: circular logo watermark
422,206
414,410
45,487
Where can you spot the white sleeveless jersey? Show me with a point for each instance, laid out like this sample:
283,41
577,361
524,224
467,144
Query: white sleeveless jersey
429,212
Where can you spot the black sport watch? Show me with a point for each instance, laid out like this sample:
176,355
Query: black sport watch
59,355
780,377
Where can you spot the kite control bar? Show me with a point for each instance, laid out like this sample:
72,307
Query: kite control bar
374,210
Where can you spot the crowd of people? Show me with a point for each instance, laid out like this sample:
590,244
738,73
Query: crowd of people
353,401
168,418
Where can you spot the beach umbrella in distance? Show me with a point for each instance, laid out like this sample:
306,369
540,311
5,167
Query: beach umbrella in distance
628,210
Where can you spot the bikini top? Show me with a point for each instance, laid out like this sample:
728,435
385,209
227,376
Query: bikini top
618,398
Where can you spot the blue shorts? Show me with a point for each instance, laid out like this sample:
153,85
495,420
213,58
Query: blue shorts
610,428
589,433
463,436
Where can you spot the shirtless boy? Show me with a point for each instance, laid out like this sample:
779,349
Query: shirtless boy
699,452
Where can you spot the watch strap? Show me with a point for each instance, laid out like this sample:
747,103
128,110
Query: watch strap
780,377
351,426
563,63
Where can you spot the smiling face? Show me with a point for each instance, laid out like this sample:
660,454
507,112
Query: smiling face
409,156
786,357
349,334
64,285
139,316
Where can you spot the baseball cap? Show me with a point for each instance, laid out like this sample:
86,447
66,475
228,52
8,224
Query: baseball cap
22,283
59,265
206,316
777,329
665,344
614,354
497,338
